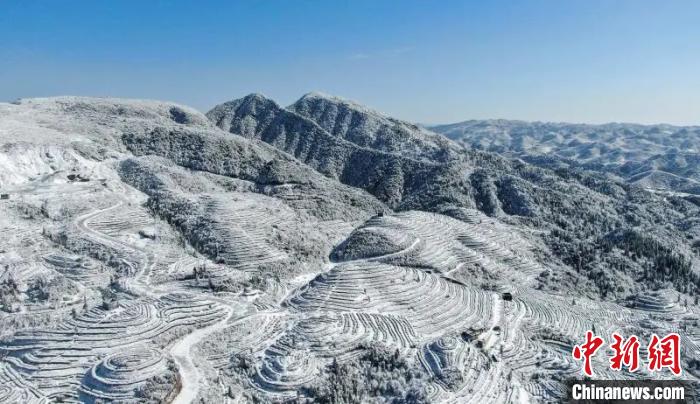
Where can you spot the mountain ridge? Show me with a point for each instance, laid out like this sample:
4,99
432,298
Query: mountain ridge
152,253
509,189
625,150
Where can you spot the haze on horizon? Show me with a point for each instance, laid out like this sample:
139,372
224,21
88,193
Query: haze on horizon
574,61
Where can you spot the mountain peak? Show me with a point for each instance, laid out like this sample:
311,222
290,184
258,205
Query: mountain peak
316,98
256,97
321,95
316,94
254,105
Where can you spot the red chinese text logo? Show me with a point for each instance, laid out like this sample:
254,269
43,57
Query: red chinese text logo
662,353
665,353
587,350
626,353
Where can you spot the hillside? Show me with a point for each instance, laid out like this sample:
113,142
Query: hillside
574,208
322,252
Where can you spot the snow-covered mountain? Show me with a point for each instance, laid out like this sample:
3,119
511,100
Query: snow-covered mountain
663,157
321,252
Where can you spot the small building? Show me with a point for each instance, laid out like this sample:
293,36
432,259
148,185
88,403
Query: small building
4,196
507,296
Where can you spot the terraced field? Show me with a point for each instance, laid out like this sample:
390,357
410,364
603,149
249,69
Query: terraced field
107,351
169,261
424,284
475,346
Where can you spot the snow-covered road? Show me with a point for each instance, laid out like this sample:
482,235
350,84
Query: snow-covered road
181,352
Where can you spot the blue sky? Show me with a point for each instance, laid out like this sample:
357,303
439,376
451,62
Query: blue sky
431,62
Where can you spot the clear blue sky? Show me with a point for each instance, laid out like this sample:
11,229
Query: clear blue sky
425,61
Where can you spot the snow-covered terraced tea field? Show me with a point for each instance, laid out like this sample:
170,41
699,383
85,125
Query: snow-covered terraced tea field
135,268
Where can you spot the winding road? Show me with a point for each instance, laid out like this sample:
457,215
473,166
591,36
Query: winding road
181,351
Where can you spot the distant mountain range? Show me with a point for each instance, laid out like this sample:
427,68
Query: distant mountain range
662,157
